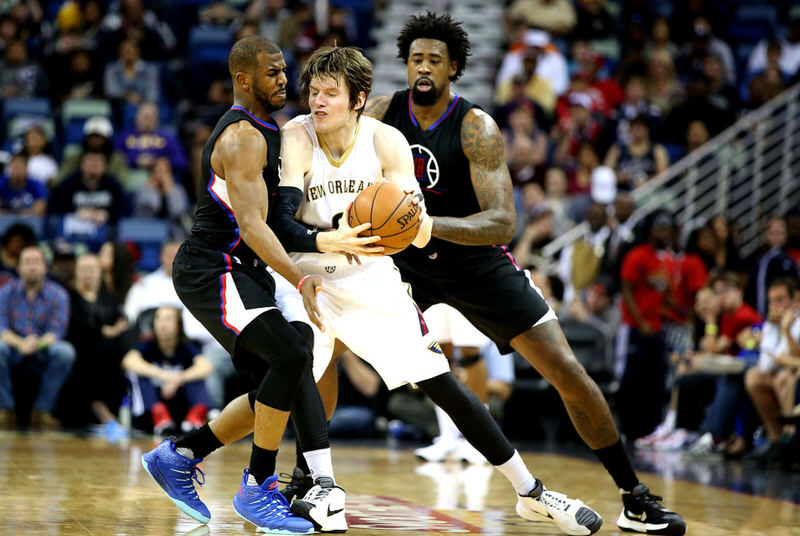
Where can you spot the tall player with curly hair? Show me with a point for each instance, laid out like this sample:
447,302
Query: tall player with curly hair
460,165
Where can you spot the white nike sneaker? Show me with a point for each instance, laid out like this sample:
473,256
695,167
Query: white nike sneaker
467,453
441,449
570,515
323,505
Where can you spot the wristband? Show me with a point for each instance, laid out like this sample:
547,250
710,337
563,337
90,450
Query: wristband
42,345
711,329
300,283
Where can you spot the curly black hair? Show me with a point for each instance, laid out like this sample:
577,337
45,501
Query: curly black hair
441,28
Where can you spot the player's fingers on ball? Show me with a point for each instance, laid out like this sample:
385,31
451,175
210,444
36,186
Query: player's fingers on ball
362,227
367,240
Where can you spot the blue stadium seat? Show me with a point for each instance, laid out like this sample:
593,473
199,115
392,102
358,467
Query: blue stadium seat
674,151
209,45
759,13
36,223
748,32
73,131
15,107
148,234
72,229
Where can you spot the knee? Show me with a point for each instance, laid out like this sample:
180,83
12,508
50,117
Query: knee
752,379
293,363
62,352
568,375
784,377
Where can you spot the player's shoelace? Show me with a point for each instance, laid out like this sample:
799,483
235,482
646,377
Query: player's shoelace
650,501
317,493
270,499
195,475
554,499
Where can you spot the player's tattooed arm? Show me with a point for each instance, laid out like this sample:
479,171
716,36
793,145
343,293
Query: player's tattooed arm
376,107
495,223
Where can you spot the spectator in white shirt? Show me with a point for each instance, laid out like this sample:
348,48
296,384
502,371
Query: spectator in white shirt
156,289
551,64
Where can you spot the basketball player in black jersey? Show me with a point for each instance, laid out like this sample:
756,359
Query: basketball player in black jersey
459,161
221,273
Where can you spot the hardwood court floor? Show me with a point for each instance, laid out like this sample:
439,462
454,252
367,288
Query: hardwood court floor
59,484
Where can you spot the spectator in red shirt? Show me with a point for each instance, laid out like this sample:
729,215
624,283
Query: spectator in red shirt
691,275
647,274
734,316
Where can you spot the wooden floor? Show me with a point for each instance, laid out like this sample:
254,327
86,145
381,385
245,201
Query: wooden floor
59,484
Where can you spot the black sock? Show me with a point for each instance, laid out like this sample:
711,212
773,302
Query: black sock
202,442
301,460
618,465
262,463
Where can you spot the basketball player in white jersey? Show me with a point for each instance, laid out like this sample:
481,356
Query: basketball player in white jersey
328,157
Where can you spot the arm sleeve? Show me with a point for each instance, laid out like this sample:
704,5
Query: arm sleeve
293,235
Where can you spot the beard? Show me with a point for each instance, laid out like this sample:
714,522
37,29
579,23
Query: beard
425,98
263,98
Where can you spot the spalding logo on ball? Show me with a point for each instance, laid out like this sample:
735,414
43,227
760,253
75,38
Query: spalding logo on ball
392,213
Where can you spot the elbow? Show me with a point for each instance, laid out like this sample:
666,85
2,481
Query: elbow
509,229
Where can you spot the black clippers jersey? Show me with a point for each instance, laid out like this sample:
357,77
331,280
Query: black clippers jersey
215,226
443,173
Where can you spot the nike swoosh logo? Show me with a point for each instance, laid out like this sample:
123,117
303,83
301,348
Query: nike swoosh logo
334,512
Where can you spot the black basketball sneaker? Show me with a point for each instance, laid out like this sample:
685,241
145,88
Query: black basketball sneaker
641,512
298,486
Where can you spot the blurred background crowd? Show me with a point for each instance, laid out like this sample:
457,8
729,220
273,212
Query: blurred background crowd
106,106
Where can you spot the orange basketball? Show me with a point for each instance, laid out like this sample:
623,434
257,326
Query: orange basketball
393,216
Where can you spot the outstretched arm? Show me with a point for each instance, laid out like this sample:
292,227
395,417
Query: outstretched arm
376,107
495,223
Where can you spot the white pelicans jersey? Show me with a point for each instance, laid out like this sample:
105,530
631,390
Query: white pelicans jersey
366,306
331,185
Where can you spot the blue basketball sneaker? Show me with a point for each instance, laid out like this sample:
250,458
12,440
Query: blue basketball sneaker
174,473
266,508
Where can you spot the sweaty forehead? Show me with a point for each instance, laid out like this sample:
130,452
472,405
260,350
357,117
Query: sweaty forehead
427,46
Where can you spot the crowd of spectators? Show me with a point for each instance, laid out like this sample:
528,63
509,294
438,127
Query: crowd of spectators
106,107
593,99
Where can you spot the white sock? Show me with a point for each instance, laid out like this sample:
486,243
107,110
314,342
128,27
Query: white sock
320,463
447,428
183,451
518,474
669,421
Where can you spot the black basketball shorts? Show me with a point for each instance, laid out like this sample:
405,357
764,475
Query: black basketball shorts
492,292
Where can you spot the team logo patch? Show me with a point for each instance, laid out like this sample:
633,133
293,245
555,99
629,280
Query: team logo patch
330,269
426,168
435,348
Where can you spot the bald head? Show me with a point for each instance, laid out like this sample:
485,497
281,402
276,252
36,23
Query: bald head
244,54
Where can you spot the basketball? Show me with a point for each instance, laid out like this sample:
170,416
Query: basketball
393,216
